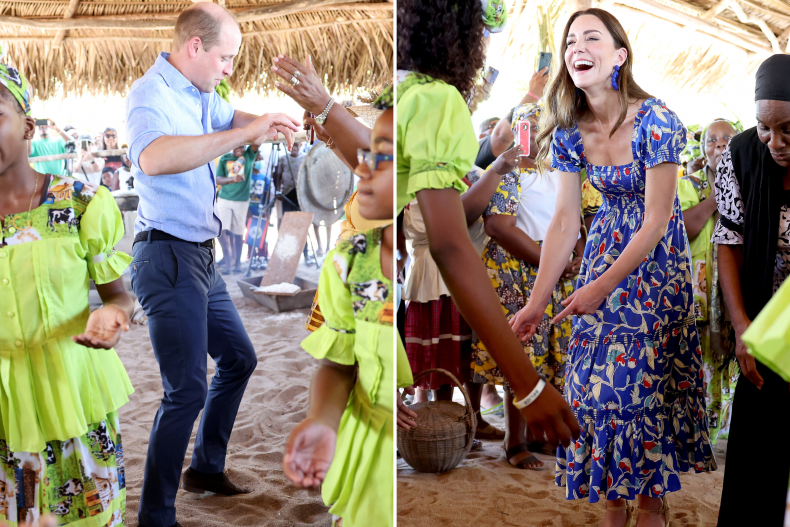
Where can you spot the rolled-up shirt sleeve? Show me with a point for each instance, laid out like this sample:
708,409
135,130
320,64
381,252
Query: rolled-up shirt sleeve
222,114
144,121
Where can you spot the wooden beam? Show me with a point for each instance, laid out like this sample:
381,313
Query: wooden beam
711,13
654,8
285,8
248,15
70,10
249,34
759,22
767,12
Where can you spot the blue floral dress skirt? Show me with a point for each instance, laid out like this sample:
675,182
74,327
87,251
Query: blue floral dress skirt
634,367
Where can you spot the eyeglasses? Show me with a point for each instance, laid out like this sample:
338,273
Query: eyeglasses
110,136
372,160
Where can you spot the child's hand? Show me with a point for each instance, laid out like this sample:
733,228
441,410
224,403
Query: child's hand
104,328
508,160
309,452
406,416
44,521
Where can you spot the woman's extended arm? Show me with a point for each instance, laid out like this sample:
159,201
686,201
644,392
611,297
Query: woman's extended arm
558,244
730,261
468,282
660,191
479,195
502,229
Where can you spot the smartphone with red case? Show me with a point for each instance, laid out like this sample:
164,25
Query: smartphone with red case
522,135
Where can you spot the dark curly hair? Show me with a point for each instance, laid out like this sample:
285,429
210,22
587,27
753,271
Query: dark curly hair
443,39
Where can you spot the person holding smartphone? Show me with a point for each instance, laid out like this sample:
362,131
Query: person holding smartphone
88,167
501,137
47,145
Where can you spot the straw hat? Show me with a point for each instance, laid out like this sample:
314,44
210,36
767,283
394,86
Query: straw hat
324,184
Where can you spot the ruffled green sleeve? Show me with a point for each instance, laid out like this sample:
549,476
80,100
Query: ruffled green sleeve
334,340
436,140
101,228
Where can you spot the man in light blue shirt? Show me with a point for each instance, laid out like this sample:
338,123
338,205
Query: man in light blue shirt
177,126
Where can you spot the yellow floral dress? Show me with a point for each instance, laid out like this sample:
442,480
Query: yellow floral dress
513,281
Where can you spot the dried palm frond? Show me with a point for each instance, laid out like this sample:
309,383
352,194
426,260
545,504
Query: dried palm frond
351,45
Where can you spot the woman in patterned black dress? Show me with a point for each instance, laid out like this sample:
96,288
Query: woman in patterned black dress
753,237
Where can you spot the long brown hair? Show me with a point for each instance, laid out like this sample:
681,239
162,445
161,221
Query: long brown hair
565,103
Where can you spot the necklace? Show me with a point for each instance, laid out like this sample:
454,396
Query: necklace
14,227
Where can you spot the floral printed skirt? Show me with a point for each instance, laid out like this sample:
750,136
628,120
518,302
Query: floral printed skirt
513,281
639,400
79,481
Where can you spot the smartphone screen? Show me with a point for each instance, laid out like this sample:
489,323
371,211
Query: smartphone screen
522,135
544,60
42,122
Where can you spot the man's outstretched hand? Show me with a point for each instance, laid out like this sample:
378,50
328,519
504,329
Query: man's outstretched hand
268,125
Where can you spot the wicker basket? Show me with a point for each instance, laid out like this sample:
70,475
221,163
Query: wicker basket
444,433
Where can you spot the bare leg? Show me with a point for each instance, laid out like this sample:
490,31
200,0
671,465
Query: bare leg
614,518
516,433
421,395
227,251
444,393
475,390
237,246
649,520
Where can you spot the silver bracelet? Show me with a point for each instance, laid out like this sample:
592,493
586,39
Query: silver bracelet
533,395
321,119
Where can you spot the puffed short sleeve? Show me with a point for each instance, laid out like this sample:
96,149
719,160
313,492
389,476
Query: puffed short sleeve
334,340
567,150
729,227
436,140
507,196
101,228
661,136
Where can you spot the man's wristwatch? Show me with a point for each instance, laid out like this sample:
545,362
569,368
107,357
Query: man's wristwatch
321,119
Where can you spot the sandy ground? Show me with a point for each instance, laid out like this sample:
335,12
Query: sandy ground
485,490
275,400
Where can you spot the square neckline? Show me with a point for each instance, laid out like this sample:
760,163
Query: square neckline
637,122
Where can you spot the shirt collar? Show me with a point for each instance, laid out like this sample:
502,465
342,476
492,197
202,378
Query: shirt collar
174,78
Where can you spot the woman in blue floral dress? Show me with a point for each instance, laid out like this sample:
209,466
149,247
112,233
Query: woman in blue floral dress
633,376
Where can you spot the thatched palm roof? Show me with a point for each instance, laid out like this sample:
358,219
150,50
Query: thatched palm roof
724,40
102,46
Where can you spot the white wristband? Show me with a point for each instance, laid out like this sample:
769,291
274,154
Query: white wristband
529,399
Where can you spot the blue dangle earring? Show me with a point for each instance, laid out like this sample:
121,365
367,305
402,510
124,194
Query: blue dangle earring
615,77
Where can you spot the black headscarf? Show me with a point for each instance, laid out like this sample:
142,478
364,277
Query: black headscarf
762,192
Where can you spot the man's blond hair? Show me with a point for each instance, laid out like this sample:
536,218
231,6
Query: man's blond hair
197,21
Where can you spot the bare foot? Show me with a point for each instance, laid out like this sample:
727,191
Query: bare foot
421,396
490,397
520,457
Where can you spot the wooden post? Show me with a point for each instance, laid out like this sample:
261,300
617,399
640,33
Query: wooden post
70,10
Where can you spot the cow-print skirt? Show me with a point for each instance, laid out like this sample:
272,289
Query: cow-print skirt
78,480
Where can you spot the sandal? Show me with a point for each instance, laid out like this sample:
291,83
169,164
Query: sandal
628,508
512,452
490,433
664,511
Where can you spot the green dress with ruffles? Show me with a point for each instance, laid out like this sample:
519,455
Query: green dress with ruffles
60,445
357,303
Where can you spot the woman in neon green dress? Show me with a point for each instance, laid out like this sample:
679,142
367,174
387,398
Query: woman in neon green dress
61,383
441,49
346,440
719,369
